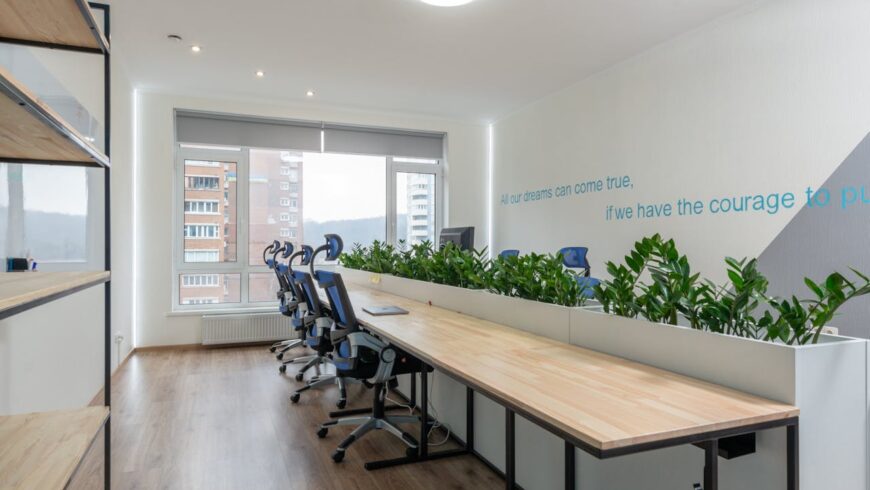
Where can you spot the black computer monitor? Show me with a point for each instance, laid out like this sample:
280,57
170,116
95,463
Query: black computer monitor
461,237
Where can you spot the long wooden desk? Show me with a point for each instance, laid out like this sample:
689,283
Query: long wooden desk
602,404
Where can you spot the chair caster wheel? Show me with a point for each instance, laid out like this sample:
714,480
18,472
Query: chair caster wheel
338,456
272,349
411,452
341,404
280,356
294,398
322,432
299,376
282,368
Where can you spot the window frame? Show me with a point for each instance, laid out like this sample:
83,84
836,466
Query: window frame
436,168
236,155
240,156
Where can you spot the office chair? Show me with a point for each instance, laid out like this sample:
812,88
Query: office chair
509,253
575,258
362,356
288,300
317,336
291,300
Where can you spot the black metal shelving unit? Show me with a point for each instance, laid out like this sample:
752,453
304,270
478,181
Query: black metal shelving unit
60,25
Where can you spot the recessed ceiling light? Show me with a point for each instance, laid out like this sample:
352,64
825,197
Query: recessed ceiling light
196,48
446,3
260,73
310,93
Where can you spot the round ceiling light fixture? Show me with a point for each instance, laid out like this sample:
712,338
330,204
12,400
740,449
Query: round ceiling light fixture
447,3
309,93
196,48
260,73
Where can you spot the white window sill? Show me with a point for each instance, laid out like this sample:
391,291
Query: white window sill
224,311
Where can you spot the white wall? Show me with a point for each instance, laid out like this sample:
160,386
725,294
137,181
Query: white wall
770,99
465,176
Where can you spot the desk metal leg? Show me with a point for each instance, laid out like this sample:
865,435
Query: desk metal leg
570,461
469,419
423,453
424,414
711,465
793,456
509,444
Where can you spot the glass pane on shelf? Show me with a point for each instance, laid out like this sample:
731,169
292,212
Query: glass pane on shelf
44,212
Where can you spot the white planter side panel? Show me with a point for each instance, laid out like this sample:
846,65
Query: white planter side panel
360,278
546,320
831,393
720,359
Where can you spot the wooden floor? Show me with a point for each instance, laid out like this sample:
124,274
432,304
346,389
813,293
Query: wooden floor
221,419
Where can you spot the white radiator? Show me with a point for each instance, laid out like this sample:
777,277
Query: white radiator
237,329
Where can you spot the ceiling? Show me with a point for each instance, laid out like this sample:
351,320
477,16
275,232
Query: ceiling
475,62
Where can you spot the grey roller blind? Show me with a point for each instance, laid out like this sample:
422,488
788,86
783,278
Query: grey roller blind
217,129
375,141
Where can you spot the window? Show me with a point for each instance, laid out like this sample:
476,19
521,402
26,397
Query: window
209,289
210,208
289,195
199,301
201,231
415,207
200,280
201,207
201,255
203,182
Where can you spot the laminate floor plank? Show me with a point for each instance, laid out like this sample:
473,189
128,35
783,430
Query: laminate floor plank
222,419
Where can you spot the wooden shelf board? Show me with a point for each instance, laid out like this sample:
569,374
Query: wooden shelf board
42,450
61,24
22,290
32,132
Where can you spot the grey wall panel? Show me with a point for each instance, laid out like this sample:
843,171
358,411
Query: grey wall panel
819,241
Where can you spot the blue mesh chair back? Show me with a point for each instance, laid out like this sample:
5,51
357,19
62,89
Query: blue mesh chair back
587,286
342,313
509,253
575,257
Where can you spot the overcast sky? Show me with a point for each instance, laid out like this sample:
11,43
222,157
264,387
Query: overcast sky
50,188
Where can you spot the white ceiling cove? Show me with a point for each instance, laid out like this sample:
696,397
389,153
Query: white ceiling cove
475,62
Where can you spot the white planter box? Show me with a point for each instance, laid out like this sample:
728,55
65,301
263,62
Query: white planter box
547,320
827,381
